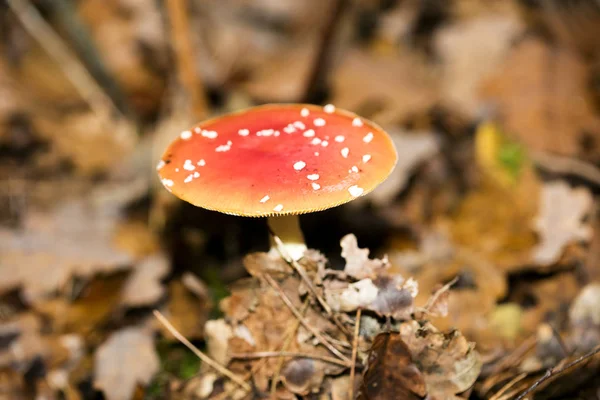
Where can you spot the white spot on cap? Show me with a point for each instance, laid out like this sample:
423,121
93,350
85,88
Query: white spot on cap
189,178
277,133
176,169
317,153
185,135
167,182
201,163
355,190
265,199
188,166
315,141
313,177
319,122
160,165
309,133
299,165
366,158
197,130
354,168
209,134
265,132
340,138
315,186
278,207
299,125
243,132
304,112
368,137
357,122
329,108
224,147
345,151
289,129
196,174
324,143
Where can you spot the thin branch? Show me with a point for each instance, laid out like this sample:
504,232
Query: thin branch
40,30
438,293
317,79
306,279
557,371
184,53
566,165
80,39
303,321
265,354
508,386
206,359
354,351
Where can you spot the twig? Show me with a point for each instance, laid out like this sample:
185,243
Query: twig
510,360
566,165
302,320
226,394
206,359
557,371
83,82
354,351
509,385
264,354
322,63
304,276
559,339
433,299
184,53
79,38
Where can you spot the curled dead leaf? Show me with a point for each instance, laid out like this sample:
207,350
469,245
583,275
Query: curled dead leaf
358,263
449,363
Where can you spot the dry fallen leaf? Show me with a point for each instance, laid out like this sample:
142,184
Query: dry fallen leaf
131,36
74,239
386,296
480,285
188,307
448,362
585,308
391,371
398,86
541,95
560,220
358,263
144,287
584,318
218,333
127,359
470,51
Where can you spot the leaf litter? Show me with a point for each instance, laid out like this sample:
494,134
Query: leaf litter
488,220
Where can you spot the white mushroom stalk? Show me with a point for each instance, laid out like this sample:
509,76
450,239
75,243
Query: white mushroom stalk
287,228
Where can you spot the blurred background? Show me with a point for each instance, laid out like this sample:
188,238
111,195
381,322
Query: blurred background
494,106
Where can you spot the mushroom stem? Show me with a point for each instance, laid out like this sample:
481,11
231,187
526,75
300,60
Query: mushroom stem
287,228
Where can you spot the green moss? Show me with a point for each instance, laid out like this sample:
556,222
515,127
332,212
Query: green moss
512,157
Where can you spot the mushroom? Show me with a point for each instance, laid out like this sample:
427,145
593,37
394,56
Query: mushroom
278,161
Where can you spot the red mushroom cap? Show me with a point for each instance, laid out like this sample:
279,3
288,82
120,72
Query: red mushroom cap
277,160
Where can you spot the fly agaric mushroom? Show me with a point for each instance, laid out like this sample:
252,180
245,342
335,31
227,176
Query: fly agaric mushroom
278,161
